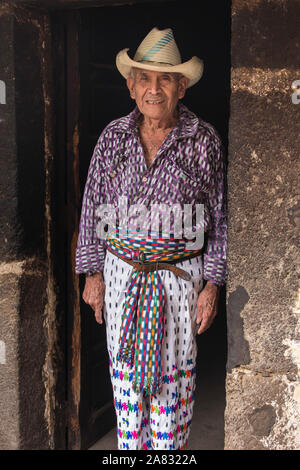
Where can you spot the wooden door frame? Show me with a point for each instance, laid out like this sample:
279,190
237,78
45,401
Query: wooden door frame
67,97
72,82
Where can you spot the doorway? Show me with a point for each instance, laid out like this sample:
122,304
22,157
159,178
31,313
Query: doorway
202,30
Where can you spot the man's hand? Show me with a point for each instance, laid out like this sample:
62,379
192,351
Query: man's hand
207,306
93,294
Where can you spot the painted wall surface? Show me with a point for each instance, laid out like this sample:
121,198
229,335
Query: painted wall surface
263,386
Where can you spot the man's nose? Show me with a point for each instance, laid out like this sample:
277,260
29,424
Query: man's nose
154,85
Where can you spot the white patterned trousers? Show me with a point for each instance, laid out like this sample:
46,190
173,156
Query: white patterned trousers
162,421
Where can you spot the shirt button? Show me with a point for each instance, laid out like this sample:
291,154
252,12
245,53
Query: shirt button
112,174
144,179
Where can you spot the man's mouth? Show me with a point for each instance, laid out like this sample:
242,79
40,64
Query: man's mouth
154,101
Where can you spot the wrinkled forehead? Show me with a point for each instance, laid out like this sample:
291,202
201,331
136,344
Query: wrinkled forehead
136,72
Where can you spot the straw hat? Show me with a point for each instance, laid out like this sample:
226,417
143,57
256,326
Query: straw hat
159,52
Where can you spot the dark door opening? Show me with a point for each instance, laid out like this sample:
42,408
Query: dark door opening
201,29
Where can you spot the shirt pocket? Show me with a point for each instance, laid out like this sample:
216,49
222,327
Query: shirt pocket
185,185
116,176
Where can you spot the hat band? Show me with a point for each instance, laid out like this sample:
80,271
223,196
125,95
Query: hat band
152,62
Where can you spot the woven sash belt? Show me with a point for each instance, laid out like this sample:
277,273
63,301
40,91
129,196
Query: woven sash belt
151,267
144,308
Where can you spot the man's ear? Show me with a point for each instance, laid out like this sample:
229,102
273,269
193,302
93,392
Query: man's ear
183,84
130,86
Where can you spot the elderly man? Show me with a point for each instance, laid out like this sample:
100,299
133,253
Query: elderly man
149,286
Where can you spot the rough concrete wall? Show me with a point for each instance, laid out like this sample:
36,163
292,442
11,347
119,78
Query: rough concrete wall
27,291
263,380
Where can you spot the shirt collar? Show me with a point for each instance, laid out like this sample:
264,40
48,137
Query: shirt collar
187,124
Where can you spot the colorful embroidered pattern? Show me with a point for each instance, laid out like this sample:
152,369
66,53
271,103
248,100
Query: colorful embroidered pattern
165,436
167,379
170,435
147,445
159,410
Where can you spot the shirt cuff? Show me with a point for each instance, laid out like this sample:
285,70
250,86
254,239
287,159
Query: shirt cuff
90,259
214,270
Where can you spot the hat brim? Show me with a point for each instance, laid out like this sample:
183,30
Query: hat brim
192,69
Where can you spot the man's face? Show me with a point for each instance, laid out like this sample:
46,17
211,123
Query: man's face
156,93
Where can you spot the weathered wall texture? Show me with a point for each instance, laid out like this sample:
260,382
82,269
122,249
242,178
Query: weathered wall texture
28,340
263,381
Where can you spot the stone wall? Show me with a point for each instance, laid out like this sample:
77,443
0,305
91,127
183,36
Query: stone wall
29,361
263,386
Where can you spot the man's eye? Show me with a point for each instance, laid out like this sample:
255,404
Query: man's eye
166,77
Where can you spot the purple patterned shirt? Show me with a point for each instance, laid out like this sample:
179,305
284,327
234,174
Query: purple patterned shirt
189,168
